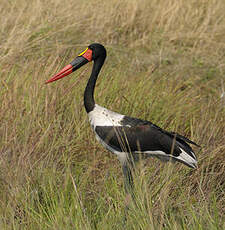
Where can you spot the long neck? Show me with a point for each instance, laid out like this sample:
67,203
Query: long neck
89,101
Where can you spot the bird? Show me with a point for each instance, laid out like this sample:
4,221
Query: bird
128,138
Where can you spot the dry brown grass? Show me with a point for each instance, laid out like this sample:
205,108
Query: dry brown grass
165,64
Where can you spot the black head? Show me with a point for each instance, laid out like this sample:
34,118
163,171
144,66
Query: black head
98,50
94,52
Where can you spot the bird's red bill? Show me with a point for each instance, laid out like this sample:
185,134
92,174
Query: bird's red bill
80,60
64,72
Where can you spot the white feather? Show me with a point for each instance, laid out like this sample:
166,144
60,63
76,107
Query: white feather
101,116
184,157
187,158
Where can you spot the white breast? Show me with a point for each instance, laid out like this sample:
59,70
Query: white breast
101,116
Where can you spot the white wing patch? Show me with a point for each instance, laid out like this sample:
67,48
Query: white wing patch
101,116
183,157
187,158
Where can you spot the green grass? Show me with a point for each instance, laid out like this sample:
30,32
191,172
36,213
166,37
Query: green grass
165,64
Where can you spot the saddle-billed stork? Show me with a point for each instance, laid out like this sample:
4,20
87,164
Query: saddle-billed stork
127,137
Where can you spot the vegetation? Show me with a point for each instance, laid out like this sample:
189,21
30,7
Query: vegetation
165,64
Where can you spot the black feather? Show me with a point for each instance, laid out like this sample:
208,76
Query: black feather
136,135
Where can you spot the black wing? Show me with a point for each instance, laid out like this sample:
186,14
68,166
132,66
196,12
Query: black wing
139,135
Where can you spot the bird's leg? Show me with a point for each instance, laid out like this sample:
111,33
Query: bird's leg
128,185
128,178
127,167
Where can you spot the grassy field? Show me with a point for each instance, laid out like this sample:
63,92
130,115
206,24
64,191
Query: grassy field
166,63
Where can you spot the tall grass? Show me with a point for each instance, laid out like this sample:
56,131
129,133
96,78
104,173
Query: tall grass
165,64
